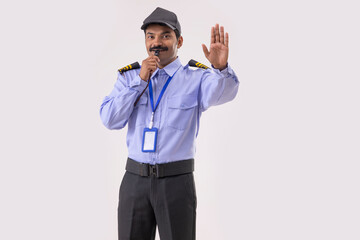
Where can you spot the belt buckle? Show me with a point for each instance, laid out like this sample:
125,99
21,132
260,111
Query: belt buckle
153,170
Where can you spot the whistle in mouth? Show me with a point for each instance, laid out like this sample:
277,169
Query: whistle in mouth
157,52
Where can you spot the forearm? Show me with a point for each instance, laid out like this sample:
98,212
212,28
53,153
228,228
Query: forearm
218,87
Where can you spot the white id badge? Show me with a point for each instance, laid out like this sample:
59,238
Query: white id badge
149,139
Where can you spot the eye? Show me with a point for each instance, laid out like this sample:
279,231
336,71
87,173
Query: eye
166,36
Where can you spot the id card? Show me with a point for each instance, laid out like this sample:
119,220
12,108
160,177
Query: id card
149,140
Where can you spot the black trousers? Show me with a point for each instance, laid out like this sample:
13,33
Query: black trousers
169,202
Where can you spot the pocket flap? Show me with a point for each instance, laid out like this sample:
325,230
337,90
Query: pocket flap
182,102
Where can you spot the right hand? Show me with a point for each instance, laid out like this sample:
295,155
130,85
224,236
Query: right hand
148,66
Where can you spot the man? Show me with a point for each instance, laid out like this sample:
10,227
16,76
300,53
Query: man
161,103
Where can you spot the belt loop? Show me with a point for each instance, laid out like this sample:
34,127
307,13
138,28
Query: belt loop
157,170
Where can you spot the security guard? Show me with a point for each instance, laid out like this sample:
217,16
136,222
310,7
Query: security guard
161,102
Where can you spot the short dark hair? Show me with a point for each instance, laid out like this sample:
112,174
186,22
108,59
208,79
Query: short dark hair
177,34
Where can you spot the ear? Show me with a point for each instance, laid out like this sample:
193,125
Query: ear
180,42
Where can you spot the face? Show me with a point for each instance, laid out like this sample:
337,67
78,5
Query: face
164,38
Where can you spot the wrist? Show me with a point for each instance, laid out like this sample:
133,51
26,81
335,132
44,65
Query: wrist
220,67
143,78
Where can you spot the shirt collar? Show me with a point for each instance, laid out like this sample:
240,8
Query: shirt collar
171,68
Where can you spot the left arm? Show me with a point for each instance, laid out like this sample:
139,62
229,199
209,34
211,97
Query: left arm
219,85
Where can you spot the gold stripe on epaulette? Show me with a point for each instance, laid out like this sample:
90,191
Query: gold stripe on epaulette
134,65
200,65
128,67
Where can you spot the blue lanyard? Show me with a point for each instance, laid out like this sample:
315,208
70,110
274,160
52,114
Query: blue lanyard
160,96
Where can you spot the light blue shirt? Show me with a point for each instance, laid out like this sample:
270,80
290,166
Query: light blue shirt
189,93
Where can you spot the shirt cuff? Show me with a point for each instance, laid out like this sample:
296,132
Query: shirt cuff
226,71
138,84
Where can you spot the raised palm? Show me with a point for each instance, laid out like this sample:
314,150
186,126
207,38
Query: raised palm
219,47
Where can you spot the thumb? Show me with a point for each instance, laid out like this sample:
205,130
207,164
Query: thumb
205,50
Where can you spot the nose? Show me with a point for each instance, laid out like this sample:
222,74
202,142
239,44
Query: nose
157,41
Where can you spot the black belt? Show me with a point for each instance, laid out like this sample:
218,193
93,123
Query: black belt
160,170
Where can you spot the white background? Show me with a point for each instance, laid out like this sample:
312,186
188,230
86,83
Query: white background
279,162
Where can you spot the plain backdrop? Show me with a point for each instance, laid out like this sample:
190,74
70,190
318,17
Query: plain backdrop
279,162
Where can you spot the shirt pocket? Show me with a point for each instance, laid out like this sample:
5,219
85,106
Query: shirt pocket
182,111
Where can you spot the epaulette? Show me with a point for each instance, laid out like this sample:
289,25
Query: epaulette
134,65
193,63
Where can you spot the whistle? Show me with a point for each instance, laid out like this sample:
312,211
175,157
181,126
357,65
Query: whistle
157,52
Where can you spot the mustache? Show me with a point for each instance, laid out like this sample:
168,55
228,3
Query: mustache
158,48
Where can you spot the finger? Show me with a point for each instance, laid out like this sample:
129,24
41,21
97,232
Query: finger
153,57
158,63
152,69
212,35
222,35
156,58
217,35
153,63
227,40
205,50
150,63
153,60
